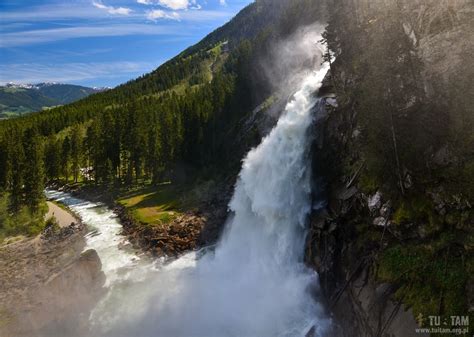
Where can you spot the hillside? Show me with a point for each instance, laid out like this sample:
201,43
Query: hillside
17,100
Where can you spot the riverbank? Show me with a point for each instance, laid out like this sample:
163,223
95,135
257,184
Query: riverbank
165,220
191,225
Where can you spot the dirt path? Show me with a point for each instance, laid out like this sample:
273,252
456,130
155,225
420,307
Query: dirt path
63,217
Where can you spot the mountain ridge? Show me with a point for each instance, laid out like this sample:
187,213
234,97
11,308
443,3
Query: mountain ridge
17,99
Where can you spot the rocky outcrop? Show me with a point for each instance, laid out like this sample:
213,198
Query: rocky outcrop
360,304
349,236
173,239
49,286
350,233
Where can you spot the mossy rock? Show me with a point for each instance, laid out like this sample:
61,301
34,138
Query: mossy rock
410,266
421,211
368,184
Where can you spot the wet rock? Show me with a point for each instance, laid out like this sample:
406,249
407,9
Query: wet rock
332,102
443,157
408,181
386,210
319,220
356,133
375,202
381,221
311,332
347,193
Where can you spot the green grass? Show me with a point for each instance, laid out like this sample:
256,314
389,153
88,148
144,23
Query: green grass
154,205
368,183
24,223
216,51
160,205
201,76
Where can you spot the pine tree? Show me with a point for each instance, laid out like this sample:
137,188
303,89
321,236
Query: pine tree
17,169
5,163
154,159
92,146
34,169
52,158
76,151
65,158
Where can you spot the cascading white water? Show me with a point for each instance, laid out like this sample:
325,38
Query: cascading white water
255,282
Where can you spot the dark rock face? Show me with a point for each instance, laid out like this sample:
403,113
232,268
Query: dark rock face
350,239
48,286
360,305
347,261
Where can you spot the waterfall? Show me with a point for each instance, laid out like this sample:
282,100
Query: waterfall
255,282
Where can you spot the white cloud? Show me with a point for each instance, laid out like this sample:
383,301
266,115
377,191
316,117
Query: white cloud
222,2
172,4
175,4
82,11
157,14
112,10
120,11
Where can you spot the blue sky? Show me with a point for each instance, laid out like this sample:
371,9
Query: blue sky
100,42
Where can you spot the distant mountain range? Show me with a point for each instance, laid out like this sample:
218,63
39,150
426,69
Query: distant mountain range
20,99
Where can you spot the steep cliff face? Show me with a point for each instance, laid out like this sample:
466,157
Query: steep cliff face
394,243
441,32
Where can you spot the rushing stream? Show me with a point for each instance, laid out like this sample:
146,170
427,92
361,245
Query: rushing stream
254,283
117,257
